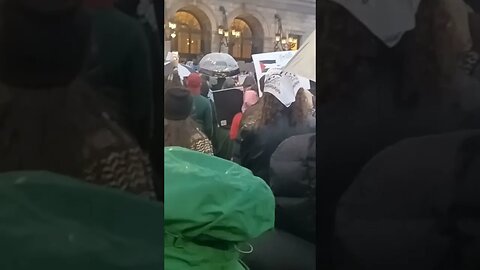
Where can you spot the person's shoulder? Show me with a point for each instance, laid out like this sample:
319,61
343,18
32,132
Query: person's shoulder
201,100
295,146
201,143
127,25
108,136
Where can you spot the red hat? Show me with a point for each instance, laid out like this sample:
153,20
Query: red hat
194,83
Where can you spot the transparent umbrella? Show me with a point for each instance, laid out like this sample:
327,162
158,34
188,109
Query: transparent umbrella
219,65
183,71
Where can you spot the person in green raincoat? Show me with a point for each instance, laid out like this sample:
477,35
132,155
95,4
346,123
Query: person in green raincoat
213,207
53,222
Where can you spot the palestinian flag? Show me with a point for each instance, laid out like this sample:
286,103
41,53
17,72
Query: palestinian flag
264,65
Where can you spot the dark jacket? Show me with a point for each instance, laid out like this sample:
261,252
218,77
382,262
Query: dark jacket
353,132
414,206
280,250
123,56
64,130
293,181
257,146
203,115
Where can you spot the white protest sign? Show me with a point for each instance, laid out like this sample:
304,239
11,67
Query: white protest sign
275,60
172,57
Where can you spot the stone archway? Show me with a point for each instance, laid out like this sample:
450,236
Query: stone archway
202,13
257,24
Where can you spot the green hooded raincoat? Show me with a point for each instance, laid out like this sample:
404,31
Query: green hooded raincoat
212,208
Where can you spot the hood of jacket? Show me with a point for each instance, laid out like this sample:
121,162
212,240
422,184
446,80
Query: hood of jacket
50,221
212,207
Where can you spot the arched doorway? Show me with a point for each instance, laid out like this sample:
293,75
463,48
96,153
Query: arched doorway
251,37
242,40
188,39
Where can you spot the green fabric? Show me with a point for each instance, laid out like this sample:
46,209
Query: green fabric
203,115
211,205
52,222
124,55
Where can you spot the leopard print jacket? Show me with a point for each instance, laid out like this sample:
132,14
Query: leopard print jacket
113,159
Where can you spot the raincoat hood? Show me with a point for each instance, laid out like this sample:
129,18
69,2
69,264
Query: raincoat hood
50,221
213,206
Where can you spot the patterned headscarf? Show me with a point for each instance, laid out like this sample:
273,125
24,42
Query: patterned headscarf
283,85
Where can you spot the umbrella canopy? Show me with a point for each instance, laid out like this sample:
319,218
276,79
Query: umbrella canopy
189,68
304,62
219,65
183,71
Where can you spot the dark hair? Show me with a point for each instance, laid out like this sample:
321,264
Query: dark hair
128,7
205,77
228,83
262,83
42,46
204,89
172,81
418,64
180,133
268,108
46,130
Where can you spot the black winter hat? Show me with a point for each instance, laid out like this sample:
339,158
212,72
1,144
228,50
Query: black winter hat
178,104
43,43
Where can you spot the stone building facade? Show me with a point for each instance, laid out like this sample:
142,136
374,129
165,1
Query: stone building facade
196,25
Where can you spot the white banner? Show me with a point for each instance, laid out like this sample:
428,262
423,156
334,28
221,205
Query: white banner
278,60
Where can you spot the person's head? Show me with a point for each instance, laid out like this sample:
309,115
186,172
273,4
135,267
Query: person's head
127,6
269,108
228,83
250,98
43,43
418,63
283,97
249,82
194,83
172,80
205,77
178,126
205,88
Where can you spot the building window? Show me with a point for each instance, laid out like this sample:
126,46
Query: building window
242,42
294,41
188,41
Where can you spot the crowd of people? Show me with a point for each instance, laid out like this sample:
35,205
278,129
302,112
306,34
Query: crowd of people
107,164
396,117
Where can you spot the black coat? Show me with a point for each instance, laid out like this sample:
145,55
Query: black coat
279,250
293,182
416,205
352,133
257,146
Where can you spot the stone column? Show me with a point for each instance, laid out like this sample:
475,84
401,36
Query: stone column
167,44
268,44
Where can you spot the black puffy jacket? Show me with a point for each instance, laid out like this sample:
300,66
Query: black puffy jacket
293,182
256,147
416,205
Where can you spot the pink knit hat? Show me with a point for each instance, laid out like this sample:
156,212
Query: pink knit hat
250,98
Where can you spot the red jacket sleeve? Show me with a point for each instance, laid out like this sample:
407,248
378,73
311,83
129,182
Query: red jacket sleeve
234,129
